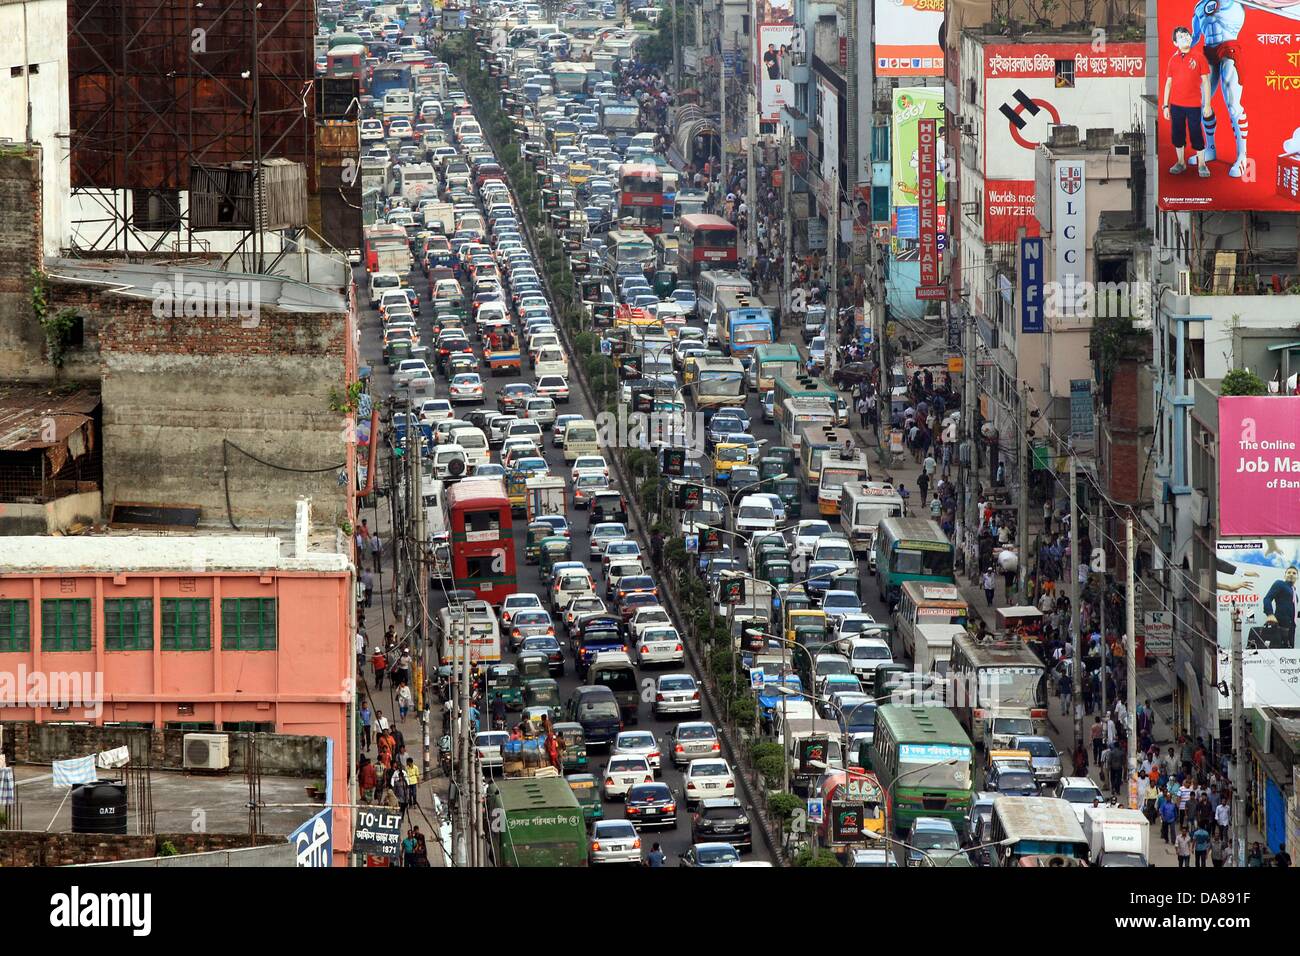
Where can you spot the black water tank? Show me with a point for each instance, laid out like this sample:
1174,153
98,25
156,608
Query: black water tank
99,808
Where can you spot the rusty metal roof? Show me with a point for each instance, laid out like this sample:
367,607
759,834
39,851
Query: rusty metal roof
38,416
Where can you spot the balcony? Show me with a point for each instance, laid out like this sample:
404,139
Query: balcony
1272,272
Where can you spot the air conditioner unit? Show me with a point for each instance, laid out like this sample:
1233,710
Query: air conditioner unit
1120,149
1184,284
1200,505
206,752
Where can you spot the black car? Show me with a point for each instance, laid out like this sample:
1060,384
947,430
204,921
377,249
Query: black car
722,820
651,805
608,506
548,645
820,579
846,376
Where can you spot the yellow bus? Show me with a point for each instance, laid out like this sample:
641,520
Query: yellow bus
815,440
839,466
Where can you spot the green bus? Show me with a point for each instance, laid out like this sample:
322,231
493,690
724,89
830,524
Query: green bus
778,360
911,549
925,763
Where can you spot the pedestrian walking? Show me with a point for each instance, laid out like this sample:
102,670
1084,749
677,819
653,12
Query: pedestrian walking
366,718
1201,844
366,779
1223,816
989,583
864,410
1065,687
412,783
405,700
359,642
380,664
1097,741
1218,850
377,551
367,587
1183,848
1167,807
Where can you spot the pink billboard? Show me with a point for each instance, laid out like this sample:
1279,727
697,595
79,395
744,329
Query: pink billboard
1259,465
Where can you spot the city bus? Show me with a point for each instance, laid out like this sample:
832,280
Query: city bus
863,504
627,248
911,549
808,387
704,241
1000,688
772,361
484,632
1025,828
839,466
721,382
795,414
924,761
394,77
815,440
641,196
921,603
482,542
346,60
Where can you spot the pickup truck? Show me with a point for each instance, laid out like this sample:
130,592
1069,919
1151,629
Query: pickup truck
503,360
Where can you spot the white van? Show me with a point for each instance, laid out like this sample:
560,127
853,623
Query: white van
581,438
381,282
754,513
551,361
474,443
862,506
450,462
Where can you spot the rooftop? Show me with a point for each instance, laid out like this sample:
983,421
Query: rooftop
122,552
28,411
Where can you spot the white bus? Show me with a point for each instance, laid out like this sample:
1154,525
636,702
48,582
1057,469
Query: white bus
862,506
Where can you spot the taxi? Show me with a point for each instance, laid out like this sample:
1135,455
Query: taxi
727,455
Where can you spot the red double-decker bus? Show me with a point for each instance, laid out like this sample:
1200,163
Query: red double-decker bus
482,541
641,196
704,241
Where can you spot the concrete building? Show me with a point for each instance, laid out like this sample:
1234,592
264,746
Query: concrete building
200,633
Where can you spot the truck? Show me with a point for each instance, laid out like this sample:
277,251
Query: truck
1117,836
439,214
812,746
536,822
544,496
621,115
933,650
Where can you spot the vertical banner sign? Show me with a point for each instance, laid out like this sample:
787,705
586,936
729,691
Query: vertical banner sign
928,229
1031,285
1070,227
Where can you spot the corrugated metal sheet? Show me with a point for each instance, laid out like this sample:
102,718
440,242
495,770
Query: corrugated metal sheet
221,197
32,417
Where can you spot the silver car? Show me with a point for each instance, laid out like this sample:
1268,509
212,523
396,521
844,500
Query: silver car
692,739
677,694
615,841
638,743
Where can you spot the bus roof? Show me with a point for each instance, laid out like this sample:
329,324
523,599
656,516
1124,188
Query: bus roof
929,591
872,490
1049,819
347,49
921,725
628,235
490,489
777,352
803,386
913,529
638,169
825,435
1005,652
704,220
719,363
731,297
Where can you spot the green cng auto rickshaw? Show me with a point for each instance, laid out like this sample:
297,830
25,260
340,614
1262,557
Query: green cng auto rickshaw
533,665
502,683
537,532
812,637
543,692
775,569
575,746
665,282
585,790
786,454
552,549
769,466
787,489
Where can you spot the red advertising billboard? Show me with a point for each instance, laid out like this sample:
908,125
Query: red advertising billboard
1250,52
1259,465
928,201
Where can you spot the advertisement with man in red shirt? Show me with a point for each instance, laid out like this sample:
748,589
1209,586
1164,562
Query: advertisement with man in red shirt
1251,49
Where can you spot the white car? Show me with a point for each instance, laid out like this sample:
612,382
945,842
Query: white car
540,410
806,533
865,654
627,549
605,532
488,744
708,777
659,644
1080,792
589,463
435,410
517,602
372,130
615,841
624,772
466,387
638,743
571,585
755,513
837,550
554,387
677,694
648,617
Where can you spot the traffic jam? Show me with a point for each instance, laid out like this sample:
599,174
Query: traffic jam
838,600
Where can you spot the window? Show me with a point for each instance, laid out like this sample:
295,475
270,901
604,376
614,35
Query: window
248,727
1065,74
483,520
186,624
65,624
189,725
128,624
15,626
248,624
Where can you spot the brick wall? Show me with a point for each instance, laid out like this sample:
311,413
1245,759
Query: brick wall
33,848
22,345
1123,452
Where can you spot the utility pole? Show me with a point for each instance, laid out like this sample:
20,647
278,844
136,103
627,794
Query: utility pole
969,471
1238,750
1130,652
787,224
396,517
722,110
833,299
751,137
677,46
421,575
467,790
1096,537
1077,667
1022,519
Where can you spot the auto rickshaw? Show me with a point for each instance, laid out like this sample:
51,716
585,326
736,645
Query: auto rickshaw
786,454
575,746
502,683
664,282
795,617
543,692
532,665
775,570
552,549
744,479
587,793
537,531
769,466
787,489
812,637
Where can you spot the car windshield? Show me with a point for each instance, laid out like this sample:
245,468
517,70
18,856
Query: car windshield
834,552
814,530
708,770
532,617
1015,780
616,829
696,733
935,840
1038,748
627,764
718,854
636,741
1080,794
834,666
870,652
677,683
600,708
649,792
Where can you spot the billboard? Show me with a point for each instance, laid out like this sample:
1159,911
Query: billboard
907,37
778,46
829,114
1031,285
1256,591
927,135
1259,465
910,106
1253,69
1070,224
313,841
1027,90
